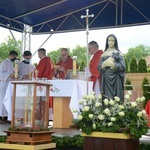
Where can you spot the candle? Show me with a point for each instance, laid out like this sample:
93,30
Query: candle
36,74
16,68
74,66
30,75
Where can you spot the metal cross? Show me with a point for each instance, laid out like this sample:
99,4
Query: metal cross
87,32
87,16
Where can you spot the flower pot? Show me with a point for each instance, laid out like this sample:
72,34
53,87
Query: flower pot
110,141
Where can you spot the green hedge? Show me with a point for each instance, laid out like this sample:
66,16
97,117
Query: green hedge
62,143
74,143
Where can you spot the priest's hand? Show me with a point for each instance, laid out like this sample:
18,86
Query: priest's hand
89,78
25,77
62,69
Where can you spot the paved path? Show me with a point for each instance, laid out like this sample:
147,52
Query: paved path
3,127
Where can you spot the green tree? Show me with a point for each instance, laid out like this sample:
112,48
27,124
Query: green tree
133,66
80,52
146,91
128,84
7,46
142,66
82,66
126,64
138,52
55,55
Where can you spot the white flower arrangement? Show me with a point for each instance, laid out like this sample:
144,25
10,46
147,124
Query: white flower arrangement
110,115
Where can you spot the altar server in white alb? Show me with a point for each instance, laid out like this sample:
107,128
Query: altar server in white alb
25,68
6,75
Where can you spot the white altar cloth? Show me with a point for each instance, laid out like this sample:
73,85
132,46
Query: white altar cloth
74,89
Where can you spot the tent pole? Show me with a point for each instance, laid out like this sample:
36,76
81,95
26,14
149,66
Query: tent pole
14,39
44,42
87,58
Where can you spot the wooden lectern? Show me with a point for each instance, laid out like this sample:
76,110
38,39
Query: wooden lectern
61,112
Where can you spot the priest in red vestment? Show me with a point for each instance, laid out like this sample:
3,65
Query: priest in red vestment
45,67
64,64
95,58
46,70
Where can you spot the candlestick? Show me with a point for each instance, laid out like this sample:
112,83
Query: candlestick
16,68
74,66
36,74
30,75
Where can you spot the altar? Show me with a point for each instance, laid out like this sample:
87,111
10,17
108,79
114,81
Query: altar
66,94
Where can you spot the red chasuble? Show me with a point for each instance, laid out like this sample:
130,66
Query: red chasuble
45,68
93,66
68,64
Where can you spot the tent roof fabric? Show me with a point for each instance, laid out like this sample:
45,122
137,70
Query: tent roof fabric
65,15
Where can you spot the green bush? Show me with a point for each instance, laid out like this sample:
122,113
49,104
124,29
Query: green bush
142,66
82,66
76,143
126,64
144,146
146,91
128,82
2,139
133,66
67,142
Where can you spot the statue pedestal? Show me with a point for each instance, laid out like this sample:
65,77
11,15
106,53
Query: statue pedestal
110,141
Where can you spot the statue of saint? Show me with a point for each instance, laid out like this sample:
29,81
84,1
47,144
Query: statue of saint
112,70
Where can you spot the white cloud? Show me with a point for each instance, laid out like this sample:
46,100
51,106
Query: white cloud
127,37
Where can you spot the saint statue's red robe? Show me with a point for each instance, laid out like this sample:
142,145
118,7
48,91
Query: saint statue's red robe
45,68
68,64
93,66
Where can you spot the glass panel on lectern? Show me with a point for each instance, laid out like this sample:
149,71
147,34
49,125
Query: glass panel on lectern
30,105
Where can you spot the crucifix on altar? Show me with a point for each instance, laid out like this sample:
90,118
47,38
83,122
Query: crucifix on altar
87,16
